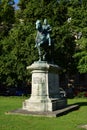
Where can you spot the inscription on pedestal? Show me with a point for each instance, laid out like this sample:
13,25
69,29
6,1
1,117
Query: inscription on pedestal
39,86
38,80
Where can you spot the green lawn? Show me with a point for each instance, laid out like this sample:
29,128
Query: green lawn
70,121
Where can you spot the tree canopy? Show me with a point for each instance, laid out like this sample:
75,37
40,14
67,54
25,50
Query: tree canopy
17,36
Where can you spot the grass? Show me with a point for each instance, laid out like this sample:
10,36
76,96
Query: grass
70,121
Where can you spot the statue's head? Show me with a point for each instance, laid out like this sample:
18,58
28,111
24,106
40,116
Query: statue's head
45,21
38,24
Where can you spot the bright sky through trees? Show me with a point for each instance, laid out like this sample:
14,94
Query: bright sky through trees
16,1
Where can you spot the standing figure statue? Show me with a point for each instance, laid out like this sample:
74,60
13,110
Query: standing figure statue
43,40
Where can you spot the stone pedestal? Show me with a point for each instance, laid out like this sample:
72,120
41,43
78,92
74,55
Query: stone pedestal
45,95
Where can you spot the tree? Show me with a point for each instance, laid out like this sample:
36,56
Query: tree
7,17
78,26
21,39
17,55
18,41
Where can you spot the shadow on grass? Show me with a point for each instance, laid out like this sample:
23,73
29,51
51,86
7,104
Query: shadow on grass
81,104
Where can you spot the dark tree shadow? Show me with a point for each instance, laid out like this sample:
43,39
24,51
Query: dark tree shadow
81,104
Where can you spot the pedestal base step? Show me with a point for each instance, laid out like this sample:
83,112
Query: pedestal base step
44,105
56,113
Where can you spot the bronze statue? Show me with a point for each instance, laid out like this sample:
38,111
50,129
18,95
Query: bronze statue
43,41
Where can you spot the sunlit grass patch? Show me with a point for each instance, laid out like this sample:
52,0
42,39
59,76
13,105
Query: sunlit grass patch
70,121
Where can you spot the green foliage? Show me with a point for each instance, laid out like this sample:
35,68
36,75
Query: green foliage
17,36
82,61
77,11
81,95
17,55
7,17
65,50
